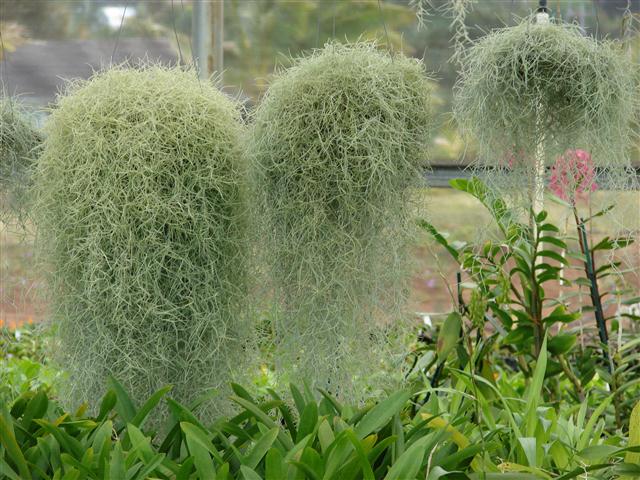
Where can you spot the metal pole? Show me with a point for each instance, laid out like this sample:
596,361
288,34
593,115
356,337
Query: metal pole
218,38
201,28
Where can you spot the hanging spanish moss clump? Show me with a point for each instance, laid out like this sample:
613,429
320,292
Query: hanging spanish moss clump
339,145
20,143
533,91
142,222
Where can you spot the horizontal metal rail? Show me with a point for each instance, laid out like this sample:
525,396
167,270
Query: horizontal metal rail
439,175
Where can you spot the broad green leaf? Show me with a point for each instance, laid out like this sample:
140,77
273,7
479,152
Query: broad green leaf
8,441
196,435
261,447
199,448
247,473
149,405
408,464
308,420
561,343
449,335
367,471
528,445
325,435
275,467
534,392
634,435
117,469
380,415
124,406
598,453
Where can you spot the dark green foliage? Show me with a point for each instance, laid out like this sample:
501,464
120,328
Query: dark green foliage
338,143
142,227
329,440
19,148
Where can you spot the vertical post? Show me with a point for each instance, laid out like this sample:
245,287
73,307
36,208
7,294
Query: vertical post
201,31
542,18
218,38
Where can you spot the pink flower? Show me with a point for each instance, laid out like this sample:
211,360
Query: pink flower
513,159
573,175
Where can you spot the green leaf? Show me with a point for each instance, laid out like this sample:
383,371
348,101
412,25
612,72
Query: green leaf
117,469
367,471
562,343
553,255
380,415
247,473
149,405
8,441
275,467
196,436
534,392
185,469
308,420
199,447
449,335
66,441
634,434
439,238
553,241
597,453
409,463
125,407
325,435
8,471
528,445
261,447
587,433
108,402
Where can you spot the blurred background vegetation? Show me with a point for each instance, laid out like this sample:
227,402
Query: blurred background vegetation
261,35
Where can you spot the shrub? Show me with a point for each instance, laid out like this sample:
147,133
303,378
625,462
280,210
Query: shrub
19,147
338,142
383,440
141,217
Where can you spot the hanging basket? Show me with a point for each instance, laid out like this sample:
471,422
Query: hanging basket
537,89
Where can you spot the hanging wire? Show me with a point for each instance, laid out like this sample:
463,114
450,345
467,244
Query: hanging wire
384,25
333,8
175,31
594,6
115,46
318,29
193,58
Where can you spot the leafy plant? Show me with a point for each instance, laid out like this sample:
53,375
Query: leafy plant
338,142
509,275
23,365
142,229
269,439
